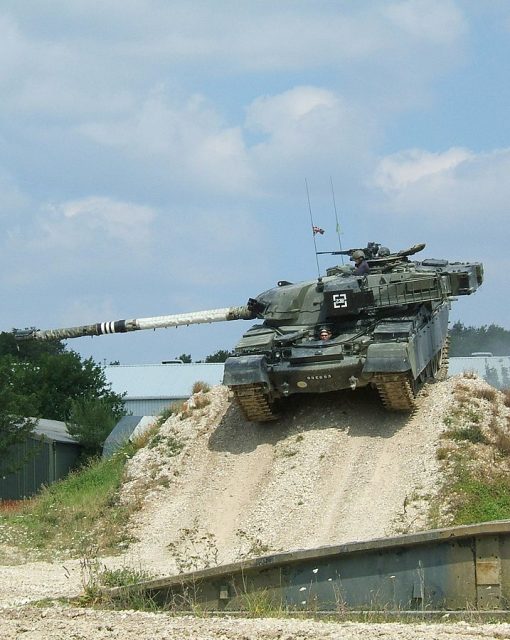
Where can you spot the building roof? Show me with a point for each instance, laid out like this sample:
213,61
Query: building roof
53,430
156,381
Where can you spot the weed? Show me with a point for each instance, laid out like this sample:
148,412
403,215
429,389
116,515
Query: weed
502,441
255,545
174,446
171,444
472,415
166,413
144,438
200,386
462,396
448,420
124,577
261,604
155,441
486,393
201,401
97,579
194,549
442,453
506,397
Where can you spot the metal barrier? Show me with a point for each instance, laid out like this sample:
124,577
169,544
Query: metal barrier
460,568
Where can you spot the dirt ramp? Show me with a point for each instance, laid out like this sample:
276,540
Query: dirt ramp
335,468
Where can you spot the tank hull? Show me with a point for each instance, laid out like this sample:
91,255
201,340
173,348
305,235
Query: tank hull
396,356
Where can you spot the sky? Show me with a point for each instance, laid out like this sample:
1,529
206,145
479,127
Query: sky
154,154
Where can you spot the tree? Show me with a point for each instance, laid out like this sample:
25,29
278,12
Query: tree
48,385
41,379
13,428
185,357
29,350
91,420
219,356
467,340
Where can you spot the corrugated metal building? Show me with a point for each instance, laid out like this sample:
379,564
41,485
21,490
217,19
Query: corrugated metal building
494,369
150,388
47,455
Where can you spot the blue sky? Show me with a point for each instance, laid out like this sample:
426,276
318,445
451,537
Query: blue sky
153,154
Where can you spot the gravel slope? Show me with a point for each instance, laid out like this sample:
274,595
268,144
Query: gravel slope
334,469
216,489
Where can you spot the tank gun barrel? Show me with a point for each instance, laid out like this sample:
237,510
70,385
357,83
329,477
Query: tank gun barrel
245,312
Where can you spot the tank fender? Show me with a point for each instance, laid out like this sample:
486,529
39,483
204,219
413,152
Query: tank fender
246,370
388,356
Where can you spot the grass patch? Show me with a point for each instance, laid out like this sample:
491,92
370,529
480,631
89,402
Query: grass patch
471,432
75,514
481,500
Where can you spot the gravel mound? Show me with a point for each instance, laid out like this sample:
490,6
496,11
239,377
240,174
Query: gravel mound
213,488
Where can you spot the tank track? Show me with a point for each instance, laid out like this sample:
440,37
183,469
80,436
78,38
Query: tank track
254,402
396,391
442,371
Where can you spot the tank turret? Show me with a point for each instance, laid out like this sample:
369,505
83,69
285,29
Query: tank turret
387,328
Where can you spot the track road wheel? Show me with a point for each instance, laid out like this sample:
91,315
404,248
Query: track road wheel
397,391
254,402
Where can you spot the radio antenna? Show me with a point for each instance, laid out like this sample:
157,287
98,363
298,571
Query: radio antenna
313,228
338,232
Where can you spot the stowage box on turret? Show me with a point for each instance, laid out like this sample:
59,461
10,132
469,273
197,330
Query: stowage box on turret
384,325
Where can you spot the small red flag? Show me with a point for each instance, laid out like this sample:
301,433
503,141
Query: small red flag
317,230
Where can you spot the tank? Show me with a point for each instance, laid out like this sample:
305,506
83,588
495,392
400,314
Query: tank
383,323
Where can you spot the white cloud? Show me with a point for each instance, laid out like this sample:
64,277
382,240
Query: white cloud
270,113
309,131
400,170
438,22
188,139
98,216
98,57
456,186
